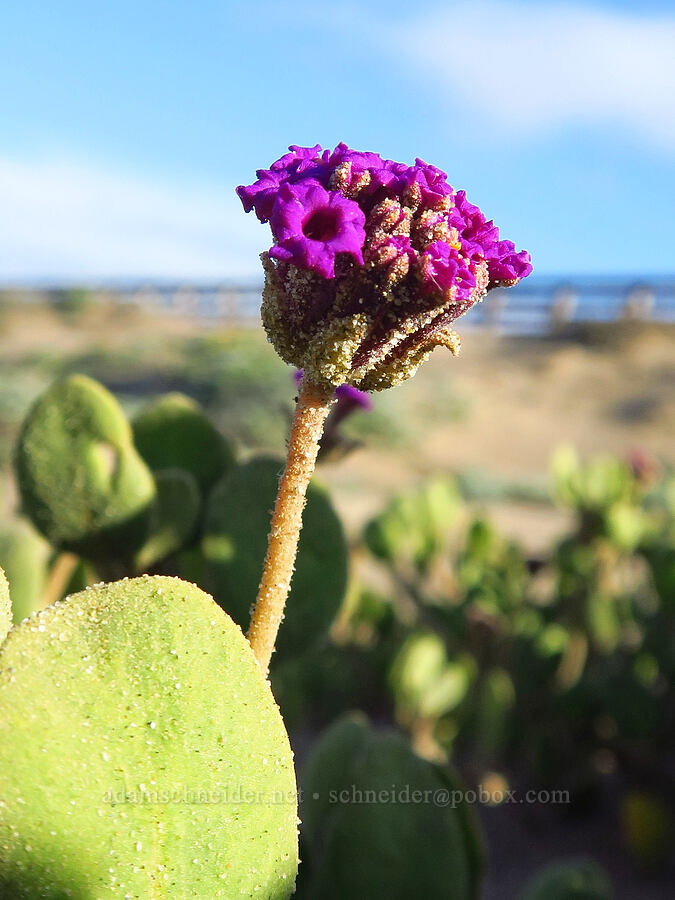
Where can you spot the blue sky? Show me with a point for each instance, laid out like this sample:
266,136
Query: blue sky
125,127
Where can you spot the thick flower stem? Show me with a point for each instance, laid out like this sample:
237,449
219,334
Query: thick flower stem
312,407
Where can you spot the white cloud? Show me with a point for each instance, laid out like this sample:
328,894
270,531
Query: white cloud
62,220
533,67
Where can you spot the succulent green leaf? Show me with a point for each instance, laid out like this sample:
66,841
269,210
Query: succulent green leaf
626,525
565,473
174,433
660,555
82,482
24,555
380,822
577,880
603,620
494,711
5,607
154,762
191,564
330,767
84,575
174,516
591,486
424,682
236,529
415,525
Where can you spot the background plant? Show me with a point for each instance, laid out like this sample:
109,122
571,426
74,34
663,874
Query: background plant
549,671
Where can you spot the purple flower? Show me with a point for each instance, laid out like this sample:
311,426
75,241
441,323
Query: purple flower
357,159
505,266
477,235
311,225
298,164
261,195
372,262
431,182
297,155
443,267
349,395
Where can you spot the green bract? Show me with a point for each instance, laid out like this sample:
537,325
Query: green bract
380,822
24,556
5,607
237,524
173,433
153,763
82,482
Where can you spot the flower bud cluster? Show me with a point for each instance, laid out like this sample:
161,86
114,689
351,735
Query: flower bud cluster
371,264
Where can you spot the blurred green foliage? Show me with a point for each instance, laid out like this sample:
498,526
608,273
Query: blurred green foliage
71,303
82,482
192,510
174,433
380,822
24,555
234,544
562,664
648,828
174,518
551,670
580,880
413,528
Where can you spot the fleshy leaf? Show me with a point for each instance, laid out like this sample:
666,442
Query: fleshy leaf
154,761
24,556
82,482
5,607
380,822
424,682
174,516
237,524
415,525
173,433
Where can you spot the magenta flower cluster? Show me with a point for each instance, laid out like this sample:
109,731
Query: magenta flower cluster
325,205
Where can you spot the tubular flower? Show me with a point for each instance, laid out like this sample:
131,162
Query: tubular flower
372,262
312,225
